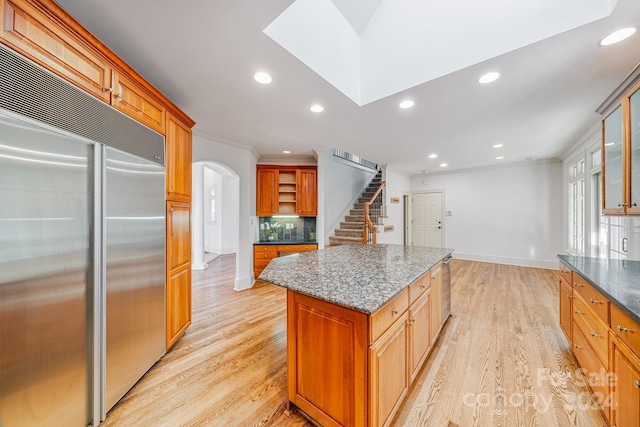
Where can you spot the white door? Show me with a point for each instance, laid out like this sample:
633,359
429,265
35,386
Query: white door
427,219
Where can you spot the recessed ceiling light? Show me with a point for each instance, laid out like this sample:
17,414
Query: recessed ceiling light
498,146
286,152
433,156
489,77
499,157
317,108
262,77
443,165
406,104
617,36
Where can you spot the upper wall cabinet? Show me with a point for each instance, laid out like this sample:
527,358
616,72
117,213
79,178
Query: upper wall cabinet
286,190
621,148
178,147
29,31
134,102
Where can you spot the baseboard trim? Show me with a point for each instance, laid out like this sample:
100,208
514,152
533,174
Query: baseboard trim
241,284
202,266
496,259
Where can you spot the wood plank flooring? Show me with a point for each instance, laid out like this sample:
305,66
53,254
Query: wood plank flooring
501,359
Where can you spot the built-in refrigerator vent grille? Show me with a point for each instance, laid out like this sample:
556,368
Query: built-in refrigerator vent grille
29,90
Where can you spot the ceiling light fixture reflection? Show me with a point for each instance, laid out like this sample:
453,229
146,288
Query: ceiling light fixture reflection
443,165
498,146
262,77
433,156
617,36
406,104
286,152
609,144
489,77
317,108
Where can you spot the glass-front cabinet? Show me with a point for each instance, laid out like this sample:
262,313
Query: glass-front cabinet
613,163
621,149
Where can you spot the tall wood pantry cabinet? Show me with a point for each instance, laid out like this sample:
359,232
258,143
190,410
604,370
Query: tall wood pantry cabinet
43,32
621,148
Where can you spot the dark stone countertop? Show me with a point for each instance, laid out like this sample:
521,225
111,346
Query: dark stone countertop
618,280
359,277
286,242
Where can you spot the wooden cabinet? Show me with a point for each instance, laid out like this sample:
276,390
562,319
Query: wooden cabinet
178,298
418,332
435,280
266,191
286,190
306,192
388,369
625,366
566,308
178,153
621,149
135,102
347,368
27,29
263,254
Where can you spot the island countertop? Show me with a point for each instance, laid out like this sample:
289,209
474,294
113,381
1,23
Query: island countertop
359,277
618,280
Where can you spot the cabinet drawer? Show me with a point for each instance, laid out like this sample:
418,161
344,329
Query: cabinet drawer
596,301
595,374
296,248
265,255
265,249
418,287
592,327
260,264
566,273
626,329
389,313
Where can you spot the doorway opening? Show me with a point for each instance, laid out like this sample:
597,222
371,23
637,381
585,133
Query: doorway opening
427,219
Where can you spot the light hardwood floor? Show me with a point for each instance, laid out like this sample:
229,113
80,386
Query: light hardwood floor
500,361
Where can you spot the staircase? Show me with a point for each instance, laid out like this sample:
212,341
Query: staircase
351,229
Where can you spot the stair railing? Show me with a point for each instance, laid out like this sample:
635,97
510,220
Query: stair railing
372,210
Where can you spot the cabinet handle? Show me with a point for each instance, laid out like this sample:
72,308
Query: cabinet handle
593,334
577,312
108,89
636,383
622,205
422,286
594,301
411,321
621,329
577,346
594,378
119,97
171,210
169,191
394,311
578,285
568,296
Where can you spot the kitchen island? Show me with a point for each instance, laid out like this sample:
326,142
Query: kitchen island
361,321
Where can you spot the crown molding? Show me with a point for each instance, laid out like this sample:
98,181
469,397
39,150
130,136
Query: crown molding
224,140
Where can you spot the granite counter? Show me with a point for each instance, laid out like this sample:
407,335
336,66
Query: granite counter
618,280
359,277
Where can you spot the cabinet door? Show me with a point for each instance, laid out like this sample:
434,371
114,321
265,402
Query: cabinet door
178,304
136,103
626,386
306,192
566,308
436,300
266,192
419,333
613,189
37,36
178,160
178,236
388,373
634,153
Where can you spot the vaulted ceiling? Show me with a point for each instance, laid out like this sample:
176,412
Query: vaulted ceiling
360,58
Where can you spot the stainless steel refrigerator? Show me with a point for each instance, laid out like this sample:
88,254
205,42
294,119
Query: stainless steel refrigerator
82,250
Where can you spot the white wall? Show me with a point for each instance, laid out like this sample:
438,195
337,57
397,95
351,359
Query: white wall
212,230
243,163
398,184
510,214
341,185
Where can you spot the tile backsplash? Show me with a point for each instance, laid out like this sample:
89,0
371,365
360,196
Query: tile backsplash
276,229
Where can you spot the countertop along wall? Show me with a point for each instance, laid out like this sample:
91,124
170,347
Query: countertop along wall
510,214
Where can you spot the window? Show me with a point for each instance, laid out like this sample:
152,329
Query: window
576,207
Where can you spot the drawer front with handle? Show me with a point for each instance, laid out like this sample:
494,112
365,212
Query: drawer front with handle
418,287
597,302
595,373
566,273
626,329
593,328
380,321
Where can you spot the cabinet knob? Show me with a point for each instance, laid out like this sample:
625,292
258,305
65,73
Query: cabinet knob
594,378
568,296
636,383
593,334
169,191
634,204
394,311
621,329
422,286
171,210
594,301
577,346
108,89
119,97
578,285
577,312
